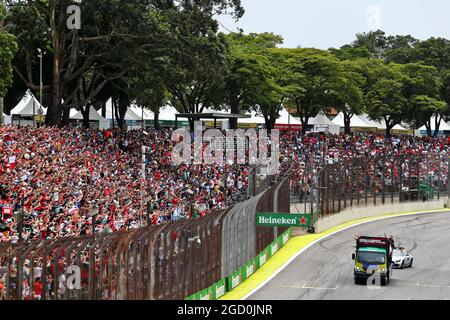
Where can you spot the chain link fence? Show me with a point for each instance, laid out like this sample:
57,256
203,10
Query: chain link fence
169,261
363,182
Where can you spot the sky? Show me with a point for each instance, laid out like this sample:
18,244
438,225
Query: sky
334,23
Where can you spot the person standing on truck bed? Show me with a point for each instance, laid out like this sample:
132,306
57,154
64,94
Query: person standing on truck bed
391,240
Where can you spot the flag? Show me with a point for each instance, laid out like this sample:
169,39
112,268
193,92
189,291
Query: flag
12,162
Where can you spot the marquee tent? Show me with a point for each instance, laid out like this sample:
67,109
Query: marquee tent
444,126
321,123
28,106
148,114
130,115
286,118
378,124
355,122
6,119
93,115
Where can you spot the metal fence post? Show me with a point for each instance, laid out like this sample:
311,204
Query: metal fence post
448,178
401,180
439,178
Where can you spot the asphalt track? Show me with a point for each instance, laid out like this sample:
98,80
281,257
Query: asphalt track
325,270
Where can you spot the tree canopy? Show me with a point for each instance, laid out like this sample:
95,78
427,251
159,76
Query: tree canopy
152,52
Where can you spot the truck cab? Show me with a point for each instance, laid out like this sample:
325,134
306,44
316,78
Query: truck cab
373,256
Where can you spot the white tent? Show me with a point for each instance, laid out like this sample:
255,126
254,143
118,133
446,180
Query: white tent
365,117
148,114
377,124
320,119
28,106
167,113
130,115
255,118
444,126
396,127
355,122
93,115
285,118
322,123
6,119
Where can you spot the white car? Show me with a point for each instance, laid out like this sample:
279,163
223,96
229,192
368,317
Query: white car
401,258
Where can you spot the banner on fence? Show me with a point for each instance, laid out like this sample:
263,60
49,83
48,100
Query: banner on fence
282,220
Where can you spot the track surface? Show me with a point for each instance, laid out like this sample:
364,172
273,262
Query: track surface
325,270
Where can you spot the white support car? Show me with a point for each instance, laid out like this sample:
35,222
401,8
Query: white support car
401,258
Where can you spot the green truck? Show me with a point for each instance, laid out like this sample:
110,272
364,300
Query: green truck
373,257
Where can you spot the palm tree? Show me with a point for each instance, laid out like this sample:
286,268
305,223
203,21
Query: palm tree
375,41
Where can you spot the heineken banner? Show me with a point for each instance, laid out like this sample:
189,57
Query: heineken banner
218,289
234,280
282,220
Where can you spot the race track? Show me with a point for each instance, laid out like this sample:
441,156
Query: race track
325,270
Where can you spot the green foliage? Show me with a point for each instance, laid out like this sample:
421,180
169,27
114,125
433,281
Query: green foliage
8,48
386,101
250,77
153,52
349,53
308,77
347,91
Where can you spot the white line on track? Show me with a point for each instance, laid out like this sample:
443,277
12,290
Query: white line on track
421,285
305,287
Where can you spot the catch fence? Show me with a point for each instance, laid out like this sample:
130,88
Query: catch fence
170,261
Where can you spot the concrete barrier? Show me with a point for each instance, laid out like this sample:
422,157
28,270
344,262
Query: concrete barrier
350,214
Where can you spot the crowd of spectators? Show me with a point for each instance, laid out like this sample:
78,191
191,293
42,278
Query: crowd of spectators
312,151
54,179
65,182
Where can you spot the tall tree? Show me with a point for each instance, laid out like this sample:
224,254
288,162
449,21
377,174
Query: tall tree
8,47
347,91
101,50
197,55
374,41
246,70
422,87
386,100
308,76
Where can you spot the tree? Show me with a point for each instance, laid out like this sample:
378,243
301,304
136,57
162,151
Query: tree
107,47
151,96
197,56
27,20
246,69
386,101
308,77
347,91
8,47
347,52
71,54
433,52
425,107
400,49
269,103
268,96
422,88
374,41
